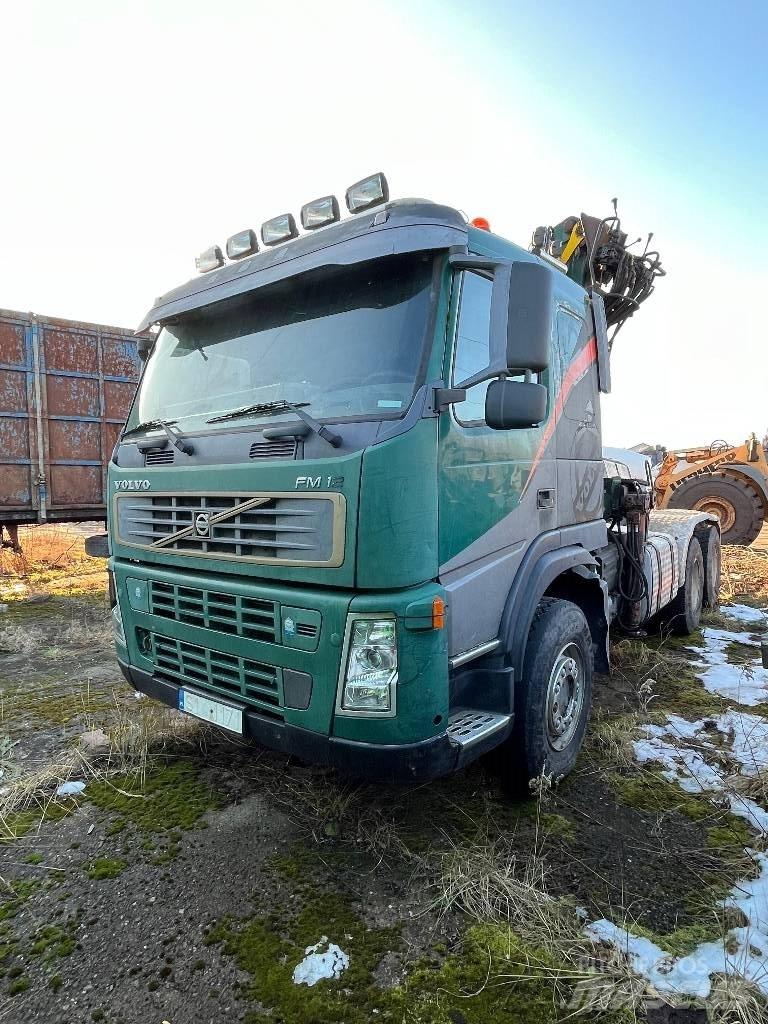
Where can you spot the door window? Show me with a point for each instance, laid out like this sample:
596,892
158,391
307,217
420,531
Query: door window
471,348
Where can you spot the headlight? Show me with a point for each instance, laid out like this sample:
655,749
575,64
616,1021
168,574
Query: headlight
117,626
371,670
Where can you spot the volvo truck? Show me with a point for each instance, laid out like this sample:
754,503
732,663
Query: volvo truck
359,512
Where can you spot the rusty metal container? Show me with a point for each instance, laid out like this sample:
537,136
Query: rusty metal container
65,390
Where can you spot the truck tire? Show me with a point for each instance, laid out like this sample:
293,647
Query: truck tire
733,499
552,700
683,614
709,538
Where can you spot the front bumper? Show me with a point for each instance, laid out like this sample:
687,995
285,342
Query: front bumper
402,762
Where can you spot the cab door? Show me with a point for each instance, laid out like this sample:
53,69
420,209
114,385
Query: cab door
496,488
577,437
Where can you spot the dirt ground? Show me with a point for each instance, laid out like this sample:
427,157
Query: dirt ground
188,878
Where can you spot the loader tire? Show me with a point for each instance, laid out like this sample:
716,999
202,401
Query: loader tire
734,501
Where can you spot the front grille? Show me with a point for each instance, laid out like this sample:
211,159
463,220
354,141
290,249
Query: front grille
226,613
266,528
231,676
159,457
285,449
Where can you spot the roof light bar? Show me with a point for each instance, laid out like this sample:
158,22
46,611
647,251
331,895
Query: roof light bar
278,229
210,259
244,243
319,212
367,193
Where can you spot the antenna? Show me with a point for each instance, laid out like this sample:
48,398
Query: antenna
650,236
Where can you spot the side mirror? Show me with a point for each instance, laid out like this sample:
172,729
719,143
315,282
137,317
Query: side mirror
144,347
529,316
522,308
511,404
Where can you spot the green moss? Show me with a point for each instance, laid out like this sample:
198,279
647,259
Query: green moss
52,942
34,858
268,948
55,982
735,832
683,940
650,791
437,991
19,985
508,981
172,797
115,827
103,867
21,891
19,823
557,825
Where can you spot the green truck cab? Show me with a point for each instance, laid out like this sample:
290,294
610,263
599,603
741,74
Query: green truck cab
358,512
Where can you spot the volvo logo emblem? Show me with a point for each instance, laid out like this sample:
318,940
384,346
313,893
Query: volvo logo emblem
203,524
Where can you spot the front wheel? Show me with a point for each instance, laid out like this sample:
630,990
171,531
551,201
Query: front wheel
553,699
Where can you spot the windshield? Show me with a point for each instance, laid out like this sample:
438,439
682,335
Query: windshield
346,340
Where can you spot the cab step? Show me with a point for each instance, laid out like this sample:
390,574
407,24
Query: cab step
468,727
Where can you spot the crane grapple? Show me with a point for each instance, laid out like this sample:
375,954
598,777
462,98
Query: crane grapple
595,254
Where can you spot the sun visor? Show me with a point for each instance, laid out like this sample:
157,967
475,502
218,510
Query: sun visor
407,227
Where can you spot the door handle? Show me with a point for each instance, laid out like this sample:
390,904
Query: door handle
545,497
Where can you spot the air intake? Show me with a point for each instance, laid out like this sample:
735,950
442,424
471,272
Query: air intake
283,449
159,457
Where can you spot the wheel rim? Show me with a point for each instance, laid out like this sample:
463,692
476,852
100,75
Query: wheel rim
565,696
720,507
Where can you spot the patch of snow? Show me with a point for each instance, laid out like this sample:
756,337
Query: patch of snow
743,613
743,951
748,736
746,683
689,756
70,789
751,811
317,965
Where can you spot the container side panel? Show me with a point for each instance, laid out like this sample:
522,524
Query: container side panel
15,455
111,434
13,392
117,399
12,351
15,493
119,357
14,443
72,396
74,441
70,351
76,486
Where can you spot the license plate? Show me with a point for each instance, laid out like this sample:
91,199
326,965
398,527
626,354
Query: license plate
225,715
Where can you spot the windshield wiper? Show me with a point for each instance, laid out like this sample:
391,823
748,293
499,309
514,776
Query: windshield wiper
270,408
176,439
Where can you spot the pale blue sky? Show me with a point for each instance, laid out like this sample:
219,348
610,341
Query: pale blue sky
138,133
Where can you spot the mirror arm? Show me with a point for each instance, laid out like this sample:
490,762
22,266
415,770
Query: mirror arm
443,397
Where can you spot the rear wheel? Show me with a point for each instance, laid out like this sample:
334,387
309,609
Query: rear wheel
732,498
552,700
683,614
709,538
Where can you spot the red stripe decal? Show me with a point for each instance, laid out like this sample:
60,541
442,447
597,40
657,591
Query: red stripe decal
574,373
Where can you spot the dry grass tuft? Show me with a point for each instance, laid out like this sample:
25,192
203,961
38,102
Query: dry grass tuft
21,639
640,662
745,575
138,734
